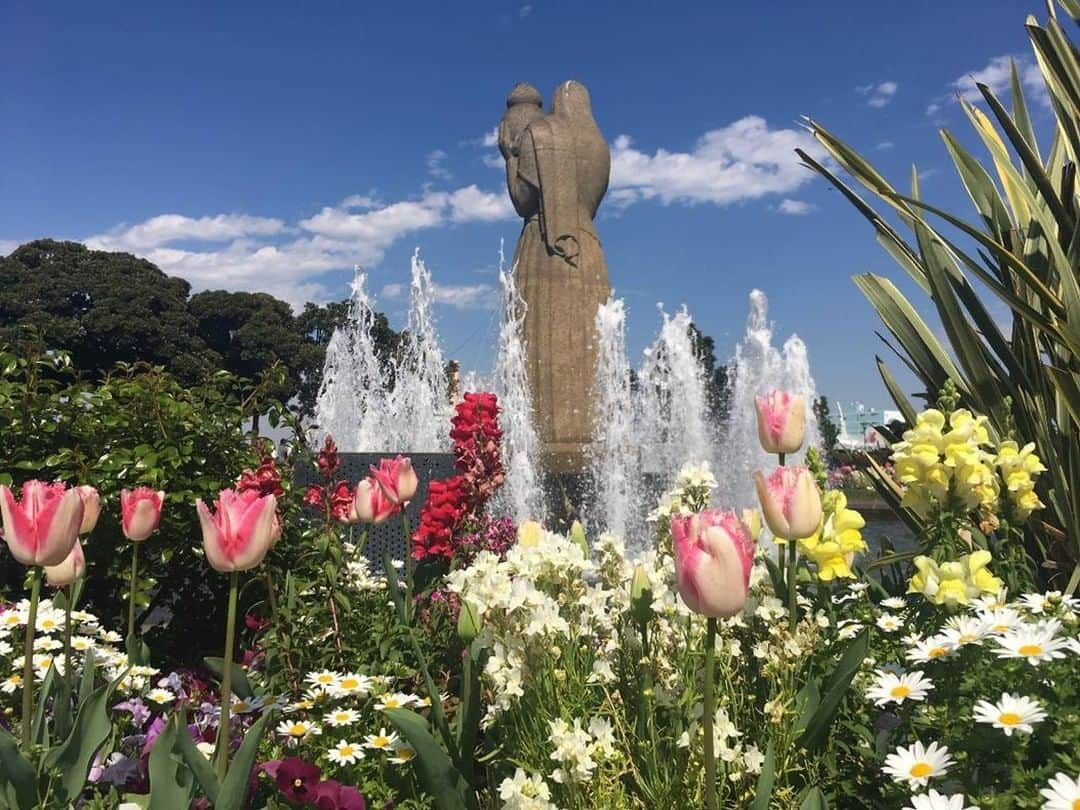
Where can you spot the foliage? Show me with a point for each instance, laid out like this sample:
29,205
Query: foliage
107,308
1025,250
830,433
138,426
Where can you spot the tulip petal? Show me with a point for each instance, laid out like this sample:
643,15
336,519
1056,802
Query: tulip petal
212,544
63,517
18,528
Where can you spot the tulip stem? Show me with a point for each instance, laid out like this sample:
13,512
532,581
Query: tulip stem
709,711
793,588
28,664
67,634
224,726
131,590
781,562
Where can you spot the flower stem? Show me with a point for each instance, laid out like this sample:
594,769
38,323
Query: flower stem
67,634
131,589
407,528
28,664
793,587
224,727
709,711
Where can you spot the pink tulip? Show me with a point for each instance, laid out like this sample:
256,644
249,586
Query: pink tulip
43,526
141,512
397,479
91,502
713,557
73,567
781,421
238,534
372,504
790,502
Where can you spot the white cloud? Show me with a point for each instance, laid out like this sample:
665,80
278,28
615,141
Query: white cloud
884,145
796,207
435,166
392,292
996,76
458,296
167,228
7,246
358,231
879,94
525,10
744,160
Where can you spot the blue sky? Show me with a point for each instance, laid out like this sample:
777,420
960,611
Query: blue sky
273,145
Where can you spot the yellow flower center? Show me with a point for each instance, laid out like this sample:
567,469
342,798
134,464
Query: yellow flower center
921,769
406,753
349,683
936,652
999,628
1076,804
240,706
1030,649
1009,718
325,678
346,751
968,638
380,742
900,692
392,703
298,730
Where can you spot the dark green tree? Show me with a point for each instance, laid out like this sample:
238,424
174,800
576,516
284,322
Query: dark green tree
830,433
102,307
717,381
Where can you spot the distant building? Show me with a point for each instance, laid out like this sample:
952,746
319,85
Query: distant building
858,422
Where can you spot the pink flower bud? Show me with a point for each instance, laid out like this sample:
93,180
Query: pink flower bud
781,421
371,503
73,567
91,502
397,478
713,557
140,510
237,535
42,527
790,502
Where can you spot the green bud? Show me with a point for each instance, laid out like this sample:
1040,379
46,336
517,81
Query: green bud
468,623
577,534
641,595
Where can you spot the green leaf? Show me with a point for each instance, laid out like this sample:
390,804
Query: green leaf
86,683
171,781
806,704
241,686
18,784
200,765
234,790
38,728
814,799
437,773
817,731
137,651
73,757
766,779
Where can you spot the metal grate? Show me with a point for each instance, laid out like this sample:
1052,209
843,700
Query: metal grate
391,534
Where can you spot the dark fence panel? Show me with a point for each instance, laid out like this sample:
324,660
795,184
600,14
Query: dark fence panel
391,534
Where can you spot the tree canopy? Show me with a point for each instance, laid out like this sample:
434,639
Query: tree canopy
105,308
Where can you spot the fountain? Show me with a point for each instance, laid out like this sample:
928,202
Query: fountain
645,427
759,367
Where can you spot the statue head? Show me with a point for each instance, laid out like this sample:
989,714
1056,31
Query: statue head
523,105
571,100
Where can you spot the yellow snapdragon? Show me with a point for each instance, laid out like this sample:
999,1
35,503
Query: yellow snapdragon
1019,467
833,546
955,582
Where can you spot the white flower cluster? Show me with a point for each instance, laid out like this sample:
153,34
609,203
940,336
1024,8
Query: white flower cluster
87,636
577,749
693,487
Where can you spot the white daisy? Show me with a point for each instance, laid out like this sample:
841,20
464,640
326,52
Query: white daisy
931,649
345,753
160,696
381,741
241,706
1011,713
323,680
11,683
352,684
111,637
1002,620
297,730
889,623
939,801
82,643
397,700
894,603
1062,793
1035,644
341,717
964,630
5,648
46,644
890,687
403,753
918,764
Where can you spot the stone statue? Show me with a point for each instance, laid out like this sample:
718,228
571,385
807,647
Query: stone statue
557,168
